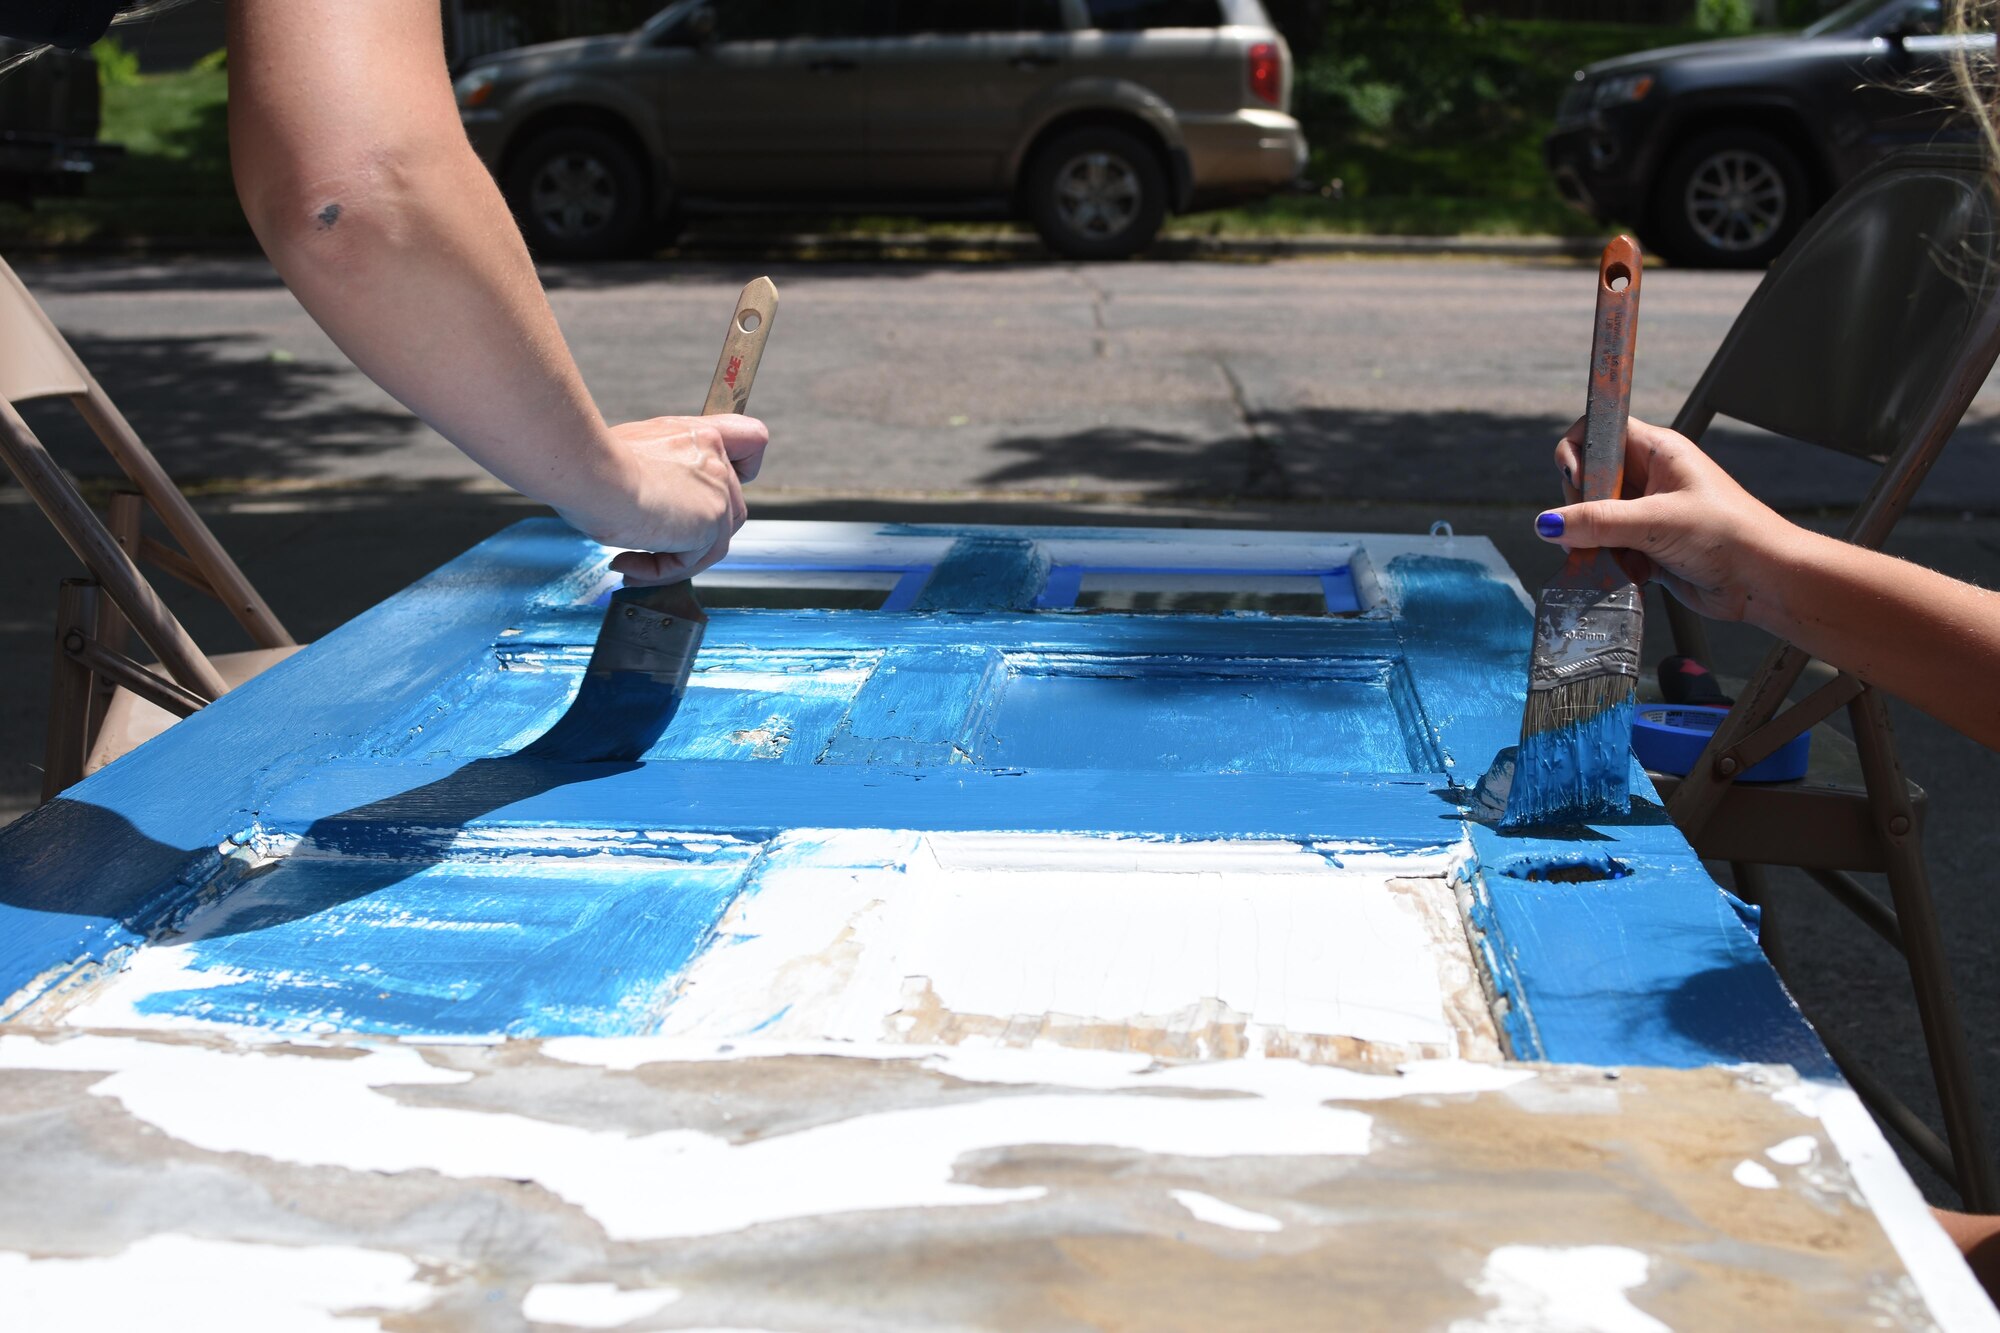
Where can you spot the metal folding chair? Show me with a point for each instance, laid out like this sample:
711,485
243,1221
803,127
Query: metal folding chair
103,702
1870,335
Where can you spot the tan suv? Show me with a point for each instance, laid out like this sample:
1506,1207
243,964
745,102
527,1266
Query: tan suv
1093,119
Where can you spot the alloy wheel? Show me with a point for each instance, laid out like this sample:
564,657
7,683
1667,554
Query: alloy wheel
574,195
1735,201
1097,194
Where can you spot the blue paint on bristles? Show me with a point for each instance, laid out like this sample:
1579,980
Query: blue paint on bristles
1573,773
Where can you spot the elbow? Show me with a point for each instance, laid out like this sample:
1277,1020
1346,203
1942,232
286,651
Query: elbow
318,217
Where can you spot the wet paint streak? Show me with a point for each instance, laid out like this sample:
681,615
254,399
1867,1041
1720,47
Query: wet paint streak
986,572
920,709
453,948
1574,774
376,806
1462,632
155,814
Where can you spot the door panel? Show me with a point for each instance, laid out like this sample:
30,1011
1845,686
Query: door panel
950,100
774,104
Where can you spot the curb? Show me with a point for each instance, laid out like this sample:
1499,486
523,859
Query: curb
1011,245
1019,245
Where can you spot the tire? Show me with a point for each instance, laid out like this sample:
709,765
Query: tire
1731,199
1097,193
579,193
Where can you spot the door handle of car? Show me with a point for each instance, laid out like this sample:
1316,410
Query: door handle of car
831,65
1028,60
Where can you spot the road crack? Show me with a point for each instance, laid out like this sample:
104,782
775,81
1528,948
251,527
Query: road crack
1264,474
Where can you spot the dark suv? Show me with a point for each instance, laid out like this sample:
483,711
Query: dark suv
1718,152
1091,118
48,124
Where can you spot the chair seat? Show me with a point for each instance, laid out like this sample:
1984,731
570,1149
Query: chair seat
1813,825
130,721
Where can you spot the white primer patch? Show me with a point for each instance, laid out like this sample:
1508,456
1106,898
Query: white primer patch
592,1304
1953,1295
1574,1290
173,1283
857,934
318,1111
1208,1208
1754,1175
1794,1151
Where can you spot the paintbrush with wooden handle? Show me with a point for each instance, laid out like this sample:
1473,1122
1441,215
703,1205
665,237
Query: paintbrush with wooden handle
1574,761
645,649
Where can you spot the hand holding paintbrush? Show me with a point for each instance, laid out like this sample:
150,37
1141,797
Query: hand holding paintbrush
1574,760
645,649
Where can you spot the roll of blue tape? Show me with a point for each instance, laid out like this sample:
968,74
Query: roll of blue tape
1669,738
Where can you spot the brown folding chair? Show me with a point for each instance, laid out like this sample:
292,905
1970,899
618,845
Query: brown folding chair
103,702
1869,335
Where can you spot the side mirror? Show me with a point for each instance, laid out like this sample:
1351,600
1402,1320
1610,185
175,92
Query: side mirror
696,30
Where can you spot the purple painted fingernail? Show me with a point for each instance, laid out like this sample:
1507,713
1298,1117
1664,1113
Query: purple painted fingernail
1549,524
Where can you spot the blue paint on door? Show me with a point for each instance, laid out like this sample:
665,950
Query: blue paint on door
381,746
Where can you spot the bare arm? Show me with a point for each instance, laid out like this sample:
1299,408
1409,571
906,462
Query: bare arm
1909,630
357,177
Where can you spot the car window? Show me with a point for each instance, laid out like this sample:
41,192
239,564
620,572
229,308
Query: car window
1844,17
1134,15
783,20
1922,19
962,16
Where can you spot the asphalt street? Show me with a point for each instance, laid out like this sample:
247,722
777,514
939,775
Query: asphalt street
1352,395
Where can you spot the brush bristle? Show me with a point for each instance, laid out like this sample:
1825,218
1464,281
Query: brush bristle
1574,762
1576,701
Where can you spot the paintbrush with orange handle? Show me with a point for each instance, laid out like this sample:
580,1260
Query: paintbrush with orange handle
1574,761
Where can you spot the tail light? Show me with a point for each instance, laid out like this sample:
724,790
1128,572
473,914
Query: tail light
1267,73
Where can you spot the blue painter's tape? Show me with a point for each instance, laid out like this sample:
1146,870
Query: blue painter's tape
908,588
1065,582
1338,587
1669,738
987,572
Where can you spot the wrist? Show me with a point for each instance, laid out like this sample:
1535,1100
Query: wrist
594,485
1778,561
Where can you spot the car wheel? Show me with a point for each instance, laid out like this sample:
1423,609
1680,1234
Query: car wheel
1097,194
1732,199
578,193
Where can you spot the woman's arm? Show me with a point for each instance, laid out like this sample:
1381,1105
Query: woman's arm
1909,630
358,179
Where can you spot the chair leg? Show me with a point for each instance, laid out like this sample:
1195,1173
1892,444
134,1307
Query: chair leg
1753,886
1690,633
123,519
1923,944
69,691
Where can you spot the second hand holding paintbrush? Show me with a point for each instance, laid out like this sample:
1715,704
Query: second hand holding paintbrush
646,646
1574,760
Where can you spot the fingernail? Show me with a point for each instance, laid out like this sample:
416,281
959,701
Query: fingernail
1549,524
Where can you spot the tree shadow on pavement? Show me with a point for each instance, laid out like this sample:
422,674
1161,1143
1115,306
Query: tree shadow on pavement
221,406
1445,457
